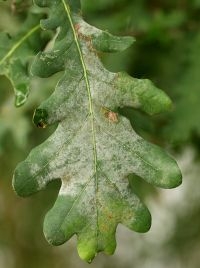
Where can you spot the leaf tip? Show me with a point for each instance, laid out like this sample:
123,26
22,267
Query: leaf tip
171,177
22,185
155,101
175,178
143,220
53,222
87,251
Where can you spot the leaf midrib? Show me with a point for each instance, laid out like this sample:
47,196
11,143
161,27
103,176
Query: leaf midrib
91,110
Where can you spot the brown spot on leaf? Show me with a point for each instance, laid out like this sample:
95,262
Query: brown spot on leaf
110,115
41,124
83,37
77,27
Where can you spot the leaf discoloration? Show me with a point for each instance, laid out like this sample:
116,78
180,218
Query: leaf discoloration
93,146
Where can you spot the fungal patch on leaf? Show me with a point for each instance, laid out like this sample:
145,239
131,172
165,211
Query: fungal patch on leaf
90,156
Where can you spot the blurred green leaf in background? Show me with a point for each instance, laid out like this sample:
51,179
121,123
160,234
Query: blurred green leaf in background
166,51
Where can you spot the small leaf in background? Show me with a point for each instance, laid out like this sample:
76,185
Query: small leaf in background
15,54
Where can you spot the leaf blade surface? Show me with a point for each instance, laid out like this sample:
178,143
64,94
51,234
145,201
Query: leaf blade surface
94,148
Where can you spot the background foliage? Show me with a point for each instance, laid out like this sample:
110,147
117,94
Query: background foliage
167,52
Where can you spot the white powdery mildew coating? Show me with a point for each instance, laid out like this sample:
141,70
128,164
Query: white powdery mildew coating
85,29
48,56
91,154
129,96
75,164
116,160
34,168
101,83
72,97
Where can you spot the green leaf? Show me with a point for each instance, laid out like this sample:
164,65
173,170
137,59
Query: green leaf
15,53
94,148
